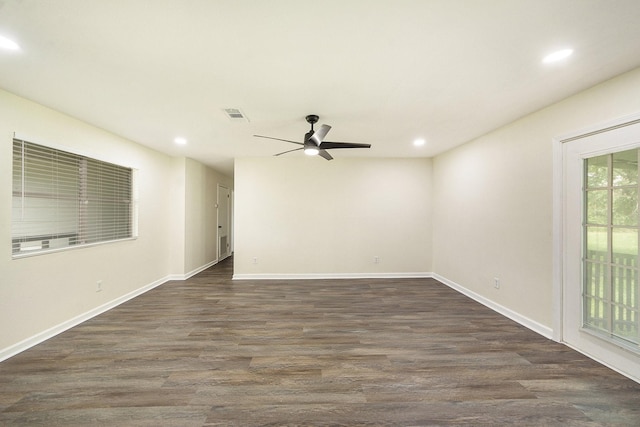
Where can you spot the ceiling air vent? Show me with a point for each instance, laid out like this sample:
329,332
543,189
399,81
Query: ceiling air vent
235,114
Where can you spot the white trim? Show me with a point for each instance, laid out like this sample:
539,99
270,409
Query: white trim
627,374
558,212
557,304
229,215
51,332
566,327
516,317
193,272
75,321
40,337
524,321
321,276
19,255
599,128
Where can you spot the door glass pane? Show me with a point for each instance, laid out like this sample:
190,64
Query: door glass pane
597,172
625,206
625,168
625,286
595,314
597,243
597,207
624,245
624,307
595,279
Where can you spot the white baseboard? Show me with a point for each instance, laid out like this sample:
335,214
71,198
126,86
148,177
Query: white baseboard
55,330
322,276
68,324
192,272
631,375
516,317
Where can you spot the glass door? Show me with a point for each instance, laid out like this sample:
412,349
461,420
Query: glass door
599,235
610,261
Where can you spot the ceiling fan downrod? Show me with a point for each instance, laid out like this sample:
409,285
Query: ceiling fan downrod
312,119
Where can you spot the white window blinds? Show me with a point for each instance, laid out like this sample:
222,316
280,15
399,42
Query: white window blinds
61,199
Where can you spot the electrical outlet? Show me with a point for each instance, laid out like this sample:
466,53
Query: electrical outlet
255,260
99,286
496,283
376,260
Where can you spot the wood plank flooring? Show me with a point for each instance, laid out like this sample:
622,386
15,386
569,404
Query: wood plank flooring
213,352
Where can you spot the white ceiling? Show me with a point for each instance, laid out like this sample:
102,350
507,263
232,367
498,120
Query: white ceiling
379,71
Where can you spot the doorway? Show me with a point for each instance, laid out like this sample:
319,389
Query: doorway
224,222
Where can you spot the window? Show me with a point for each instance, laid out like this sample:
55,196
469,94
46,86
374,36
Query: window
63,200
610,278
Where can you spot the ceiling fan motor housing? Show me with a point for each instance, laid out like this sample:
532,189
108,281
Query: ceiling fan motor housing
311,119
307,139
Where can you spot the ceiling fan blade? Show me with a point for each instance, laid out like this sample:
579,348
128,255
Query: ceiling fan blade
331,145
325,155
319,135
289,151
278,139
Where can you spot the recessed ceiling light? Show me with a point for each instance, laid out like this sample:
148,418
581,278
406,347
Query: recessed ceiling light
419,142
557,56
8,44
180,141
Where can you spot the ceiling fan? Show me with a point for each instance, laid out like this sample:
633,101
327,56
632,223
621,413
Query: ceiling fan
314,143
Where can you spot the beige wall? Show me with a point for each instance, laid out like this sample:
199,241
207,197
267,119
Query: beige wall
41,295
306,216
491,200
177,227
493,213
485,208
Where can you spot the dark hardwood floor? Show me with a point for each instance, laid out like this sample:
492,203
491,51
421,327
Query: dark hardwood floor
213,352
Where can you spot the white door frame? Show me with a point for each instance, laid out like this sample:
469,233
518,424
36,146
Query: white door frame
228,224
617,359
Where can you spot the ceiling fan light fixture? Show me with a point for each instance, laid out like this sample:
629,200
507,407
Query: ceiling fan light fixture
311,151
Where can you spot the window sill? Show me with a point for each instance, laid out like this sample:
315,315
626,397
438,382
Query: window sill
38,252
